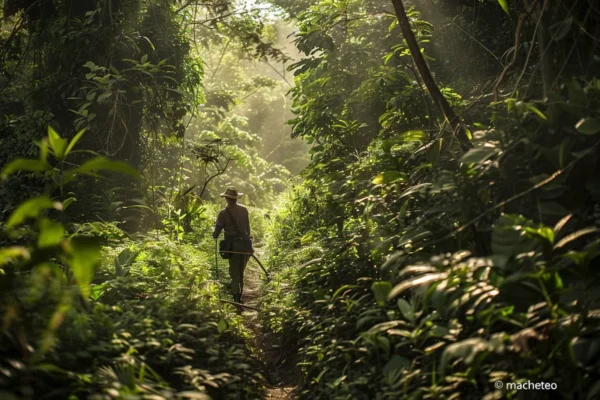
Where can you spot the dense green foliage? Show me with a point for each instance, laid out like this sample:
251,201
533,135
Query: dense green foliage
123,319
108,287
407,265
438,272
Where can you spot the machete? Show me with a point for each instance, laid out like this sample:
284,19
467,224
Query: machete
255,258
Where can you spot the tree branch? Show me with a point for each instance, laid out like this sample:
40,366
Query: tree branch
425,73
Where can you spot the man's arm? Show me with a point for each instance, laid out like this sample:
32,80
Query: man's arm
218,226
248,219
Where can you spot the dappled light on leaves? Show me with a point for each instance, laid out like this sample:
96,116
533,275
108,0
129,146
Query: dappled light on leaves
421,180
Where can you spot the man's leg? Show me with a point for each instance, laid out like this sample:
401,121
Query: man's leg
236,271
245,259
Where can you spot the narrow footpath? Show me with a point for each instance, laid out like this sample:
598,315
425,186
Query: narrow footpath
281,373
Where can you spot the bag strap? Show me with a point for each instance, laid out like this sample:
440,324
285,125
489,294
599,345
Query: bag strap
233,220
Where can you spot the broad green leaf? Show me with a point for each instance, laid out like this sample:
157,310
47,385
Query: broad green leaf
104,96
384,344
381,290
536,111
558,282
90,65
24,164
559,30
477,155
434,151
101,164
57,144
389,177
74,141
504,5
576,93
543,232
51,233
85,253
387,145
31,208
68,202
414,136
561,224
403,210
515,234
510,104
319,294
414,189
438,331
343,289
406,310
562,151
124,261
384,326
574,236
588,126
8,253
396,364
192,395
415,282
408,136
222,326
552,208
466,350
97,291
44,150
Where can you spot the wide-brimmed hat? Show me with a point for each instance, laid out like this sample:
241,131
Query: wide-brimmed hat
231,193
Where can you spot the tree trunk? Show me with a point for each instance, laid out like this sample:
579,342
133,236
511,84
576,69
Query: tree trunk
546,48
432,88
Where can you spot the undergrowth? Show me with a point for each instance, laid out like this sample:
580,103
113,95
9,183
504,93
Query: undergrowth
90,312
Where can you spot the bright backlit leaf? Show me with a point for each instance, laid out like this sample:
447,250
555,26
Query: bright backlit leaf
51,233
68,202
389,177
43,144
57,144
414,136
31,208
222,326
85,252
92,166
536,111
23,164
74,142
504,5
8,253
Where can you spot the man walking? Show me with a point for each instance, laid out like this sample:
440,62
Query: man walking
234,221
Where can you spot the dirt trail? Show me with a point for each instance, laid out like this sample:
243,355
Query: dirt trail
282,375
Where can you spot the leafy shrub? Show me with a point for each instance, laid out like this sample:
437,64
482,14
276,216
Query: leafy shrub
138,318
442,271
